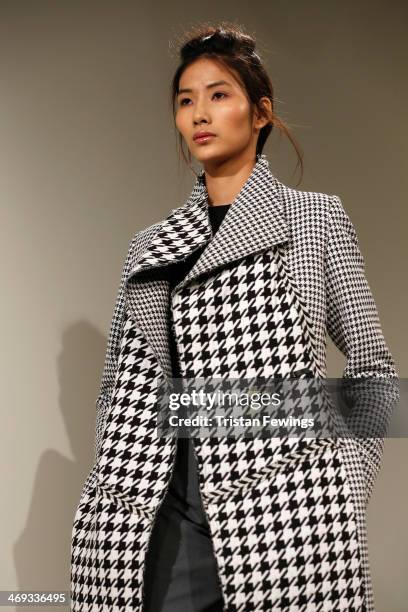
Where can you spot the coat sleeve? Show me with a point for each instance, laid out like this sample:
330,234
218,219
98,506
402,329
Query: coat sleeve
112,352
369,386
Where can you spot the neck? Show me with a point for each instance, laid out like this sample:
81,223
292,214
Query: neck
224,184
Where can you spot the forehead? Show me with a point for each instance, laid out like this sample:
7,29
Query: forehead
205,70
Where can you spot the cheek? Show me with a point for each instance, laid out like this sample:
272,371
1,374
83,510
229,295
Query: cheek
235,116
180,123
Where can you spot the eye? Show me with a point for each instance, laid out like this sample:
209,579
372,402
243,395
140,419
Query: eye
216,93
220,92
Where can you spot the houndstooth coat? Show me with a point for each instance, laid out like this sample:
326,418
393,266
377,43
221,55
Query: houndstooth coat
287,521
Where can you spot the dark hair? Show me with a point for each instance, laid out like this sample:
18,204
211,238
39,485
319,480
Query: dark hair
228,44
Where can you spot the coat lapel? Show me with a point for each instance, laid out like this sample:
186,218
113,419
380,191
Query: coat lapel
254,222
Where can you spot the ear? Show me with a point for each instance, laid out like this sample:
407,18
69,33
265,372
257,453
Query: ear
264,117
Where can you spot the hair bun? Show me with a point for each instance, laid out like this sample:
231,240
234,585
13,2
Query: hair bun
218,41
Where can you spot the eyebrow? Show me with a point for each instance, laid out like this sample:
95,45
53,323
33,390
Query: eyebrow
215,84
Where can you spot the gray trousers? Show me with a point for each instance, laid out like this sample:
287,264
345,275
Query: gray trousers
181,572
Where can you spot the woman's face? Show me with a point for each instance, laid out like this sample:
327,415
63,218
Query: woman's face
220,108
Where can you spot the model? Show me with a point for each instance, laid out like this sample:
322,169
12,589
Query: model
244,280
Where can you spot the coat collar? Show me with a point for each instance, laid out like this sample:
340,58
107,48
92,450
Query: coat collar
255,221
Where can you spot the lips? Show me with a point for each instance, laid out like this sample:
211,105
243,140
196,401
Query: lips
203,136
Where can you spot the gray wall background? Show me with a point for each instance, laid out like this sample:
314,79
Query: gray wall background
88,157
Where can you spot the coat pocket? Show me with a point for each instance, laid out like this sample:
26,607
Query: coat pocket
291,538
82,545
109,543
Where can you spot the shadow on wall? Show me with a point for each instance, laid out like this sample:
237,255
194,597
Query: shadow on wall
42,552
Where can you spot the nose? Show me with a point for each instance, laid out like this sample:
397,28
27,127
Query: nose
200,111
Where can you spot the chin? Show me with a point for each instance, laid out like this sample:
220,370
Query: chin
211,156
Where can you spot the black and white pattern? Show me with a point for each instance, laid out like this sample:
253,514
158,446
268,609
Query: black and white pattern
287,519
